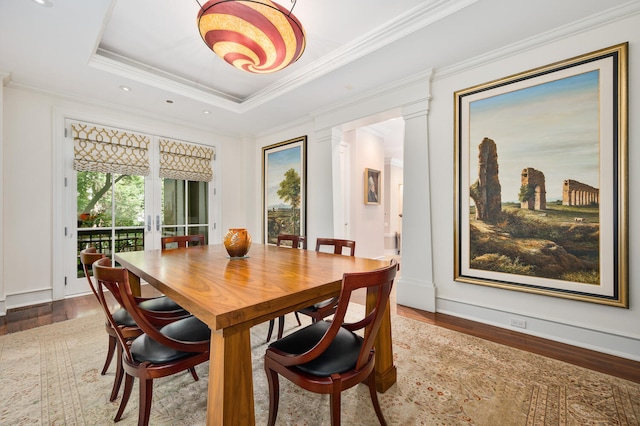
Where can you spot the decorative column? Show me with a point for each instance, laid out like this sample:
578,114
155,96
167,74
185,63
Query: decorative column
321,183
416,288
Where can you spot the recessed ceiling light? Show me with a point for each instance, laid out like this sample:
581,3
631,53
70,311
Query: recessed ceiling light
45,3
206,112
125,88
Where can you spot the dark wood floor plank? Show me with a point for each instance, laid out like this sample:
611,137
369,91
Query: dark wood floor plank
48,313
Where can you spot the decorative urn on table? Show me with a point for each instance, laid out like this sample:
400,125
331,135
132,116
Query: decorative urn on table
237,242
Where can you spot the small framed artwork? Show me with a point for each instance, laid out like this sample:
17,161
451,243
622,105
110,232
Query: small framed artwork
284,189
541,180
371,186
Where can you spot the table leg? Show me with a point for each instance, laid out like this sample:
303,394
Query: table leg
230,399
134,282
386,372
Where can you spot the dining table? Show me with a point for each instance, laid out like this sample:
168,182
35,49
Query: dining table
231,295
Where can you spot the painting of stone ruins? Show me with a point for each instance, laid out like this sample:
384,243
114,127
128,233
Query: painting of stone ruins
533,236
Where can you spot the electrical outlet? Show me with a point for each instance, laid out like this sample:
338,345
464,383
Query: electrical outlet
520,323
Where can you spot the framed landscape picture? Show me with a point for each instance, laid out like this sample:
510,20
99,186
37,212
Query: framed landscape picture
284,194
541,180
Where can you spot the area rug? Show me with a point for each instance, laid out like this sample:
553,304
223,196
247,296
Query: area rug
51,376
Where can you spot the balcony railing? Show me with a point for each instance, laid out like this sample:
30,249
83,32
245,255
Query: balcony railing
130,239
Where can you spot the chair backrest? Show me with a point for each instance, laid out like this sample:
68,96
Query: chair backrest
87,257
337,244
108,280
116,281
378,282
381,282
182,241
296,240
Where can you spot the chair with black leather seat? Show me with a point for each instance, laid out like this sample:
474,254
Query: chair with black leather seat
327,307
295,242
328,357
182,241
164,348
162,306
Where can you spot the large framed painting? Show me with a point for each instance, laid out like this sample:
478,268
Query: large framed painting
284,189
541,180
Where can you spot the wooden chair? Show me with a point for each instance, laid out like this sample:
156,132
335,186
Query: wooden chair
182,241
164,348
162,306
337,244
295,240
327,357
327,307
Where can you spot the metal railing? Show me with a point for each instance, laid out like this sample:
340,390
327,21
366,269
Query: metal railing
130,239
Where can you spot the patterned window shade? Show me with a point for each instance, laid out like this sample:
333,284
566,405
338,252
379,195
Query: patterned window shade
179,160
97,149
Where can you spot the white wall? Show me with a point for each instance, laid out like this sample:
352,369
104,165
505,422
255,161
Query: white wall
27,197
367,220
3,76
392,203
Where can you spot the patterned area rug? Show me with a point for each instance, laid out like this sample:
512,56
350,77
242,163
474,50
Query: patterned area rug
51,376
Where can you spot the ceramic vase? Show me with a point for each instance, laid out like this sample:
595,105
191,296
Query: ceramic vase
237,242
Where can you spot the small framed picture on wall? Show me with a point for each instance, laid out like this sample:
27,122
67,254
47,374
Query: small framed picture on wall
371,186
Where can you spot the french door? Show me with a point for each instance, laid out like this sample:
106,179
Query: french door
117,212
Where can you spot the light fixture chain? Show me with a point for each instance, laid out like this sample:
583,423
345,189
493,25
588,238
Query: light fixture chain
294,5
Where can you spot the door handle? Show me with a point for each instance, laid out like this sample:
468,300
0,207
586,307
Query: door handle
157,222
149,223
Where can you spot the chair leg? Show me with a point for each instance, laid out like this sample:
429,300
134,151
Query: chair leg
271,323
110,350
194,374
371,383
280,326
128,386
117,381
146,394
274,395
298,318
335,406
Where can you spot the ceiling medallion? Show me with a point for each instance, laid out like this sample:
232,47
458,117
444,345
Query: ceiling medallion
257,36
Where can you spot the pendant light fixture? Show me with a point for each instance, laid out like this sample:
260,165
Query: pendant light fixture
257,36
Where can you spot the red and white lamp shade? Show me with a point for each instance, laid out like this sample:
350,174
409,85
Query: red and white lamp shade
257,36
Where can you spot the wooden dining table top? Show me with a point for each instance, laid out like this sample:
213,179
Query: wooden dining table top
223,292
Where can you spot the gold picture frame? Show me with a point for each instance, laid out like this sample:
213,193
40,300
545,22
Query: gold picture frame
372,186
284,189
541,182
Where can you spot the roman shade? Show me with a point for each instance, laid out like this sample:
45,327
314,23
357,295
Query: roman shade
99,149
180,160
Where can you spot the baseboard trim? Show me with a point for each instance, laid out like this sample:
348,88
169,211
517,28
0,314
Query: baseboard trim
609,343
416,294
30,298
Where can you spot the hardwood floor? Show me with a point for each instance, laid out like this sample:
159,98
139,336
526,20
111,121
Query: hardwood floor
48,313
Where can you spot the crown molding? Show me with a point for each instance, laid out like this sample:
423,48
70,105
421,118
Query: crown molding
578,27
